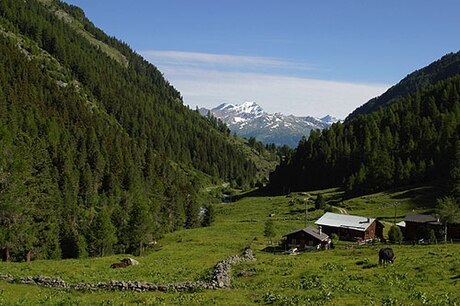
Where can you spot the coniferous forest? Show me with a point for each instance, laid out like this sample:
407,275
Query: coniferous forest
98,154
412,139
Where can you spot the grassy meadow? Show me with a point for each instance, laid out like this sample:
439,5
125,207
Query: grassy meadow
347,275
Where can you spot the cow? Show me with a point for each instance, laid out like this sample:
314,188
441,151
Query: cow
118,265
386,255
5,253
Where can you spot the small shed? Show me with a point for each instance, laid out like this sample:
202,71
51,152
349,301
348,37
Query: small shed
350,227
307,238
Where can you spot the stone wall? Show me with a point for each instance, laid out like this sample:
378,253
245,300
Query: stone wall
221,279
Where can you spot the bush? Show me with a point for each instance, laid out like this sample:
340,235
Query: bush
269,230
334,238
395,234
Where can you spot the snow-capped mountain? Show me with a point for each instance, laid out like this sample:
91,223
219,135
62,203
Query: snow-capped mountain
250,120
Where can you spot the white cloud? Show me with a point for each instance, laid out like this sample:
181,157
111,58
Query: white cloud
207,86
221,60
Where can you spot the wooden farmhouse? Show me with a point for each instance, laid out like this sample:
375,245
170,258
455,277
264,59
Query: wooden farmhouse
307,238
350,227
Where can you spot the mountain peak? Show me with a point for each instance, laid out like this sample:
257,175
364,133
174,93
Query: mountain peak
250,108
248,119
223,106
329,119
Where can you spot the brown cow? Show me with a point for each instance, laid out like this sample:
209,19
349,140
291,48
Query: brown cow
5,253
118,265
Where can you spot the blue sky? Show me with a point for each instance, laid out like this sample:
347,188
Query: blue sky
295,57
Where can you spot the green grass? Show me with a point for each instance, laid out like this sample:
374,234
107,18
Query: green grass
420,275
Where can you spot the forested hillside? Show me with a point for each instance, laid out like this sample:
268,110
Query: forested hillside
98,154
415,139
444,68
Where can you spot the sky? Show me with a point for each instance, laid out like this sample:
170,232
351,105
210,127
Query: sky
295,57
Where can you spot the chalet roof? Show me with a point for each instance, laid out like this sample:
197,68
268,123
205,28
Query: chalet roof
345,221
312,232
419,218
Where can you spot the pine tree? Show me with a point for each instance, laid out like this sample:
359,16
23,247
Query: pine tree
140,227
455,171
209,215
104,232
320,203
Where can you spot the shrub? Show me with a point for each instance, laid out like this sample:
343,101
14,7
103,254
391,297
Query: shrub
269,230
334,238
395,234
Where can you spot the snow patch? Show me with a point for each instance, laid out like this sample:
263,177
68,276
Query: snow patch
238,119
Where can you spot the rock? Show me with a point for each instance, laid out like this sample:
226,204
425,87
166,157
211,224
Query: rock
129,261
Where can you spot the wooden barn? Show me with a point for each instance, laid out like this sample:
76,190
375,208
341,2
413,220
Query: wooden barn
307,238
417,226
350,227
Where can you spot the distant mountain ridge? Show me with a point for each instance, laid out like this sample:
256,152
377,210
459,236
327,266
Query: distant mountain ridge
250,120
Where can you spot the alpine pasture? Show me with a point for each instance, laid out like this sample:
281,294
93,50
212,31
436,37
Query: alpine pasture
347,275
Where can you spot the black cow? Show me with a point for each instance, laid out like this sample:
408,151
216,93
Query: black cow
386,255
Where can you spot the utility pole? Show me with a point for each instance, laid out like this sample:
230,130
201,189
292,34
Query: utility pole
306,210
394,218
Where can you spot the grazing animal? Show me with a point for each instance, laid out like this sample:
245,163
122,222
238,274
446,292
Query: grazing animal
5,253
118,265
386,255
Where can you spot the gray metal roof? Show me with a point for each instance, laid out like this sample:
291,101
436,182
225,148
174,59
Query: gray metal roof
347,221
419,218
312,232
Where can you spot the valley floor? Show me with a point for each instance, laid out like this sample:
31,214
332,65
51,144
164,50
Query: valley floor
347,275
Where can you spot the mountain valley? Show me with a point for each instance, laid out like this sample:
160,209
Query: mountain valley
103,163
